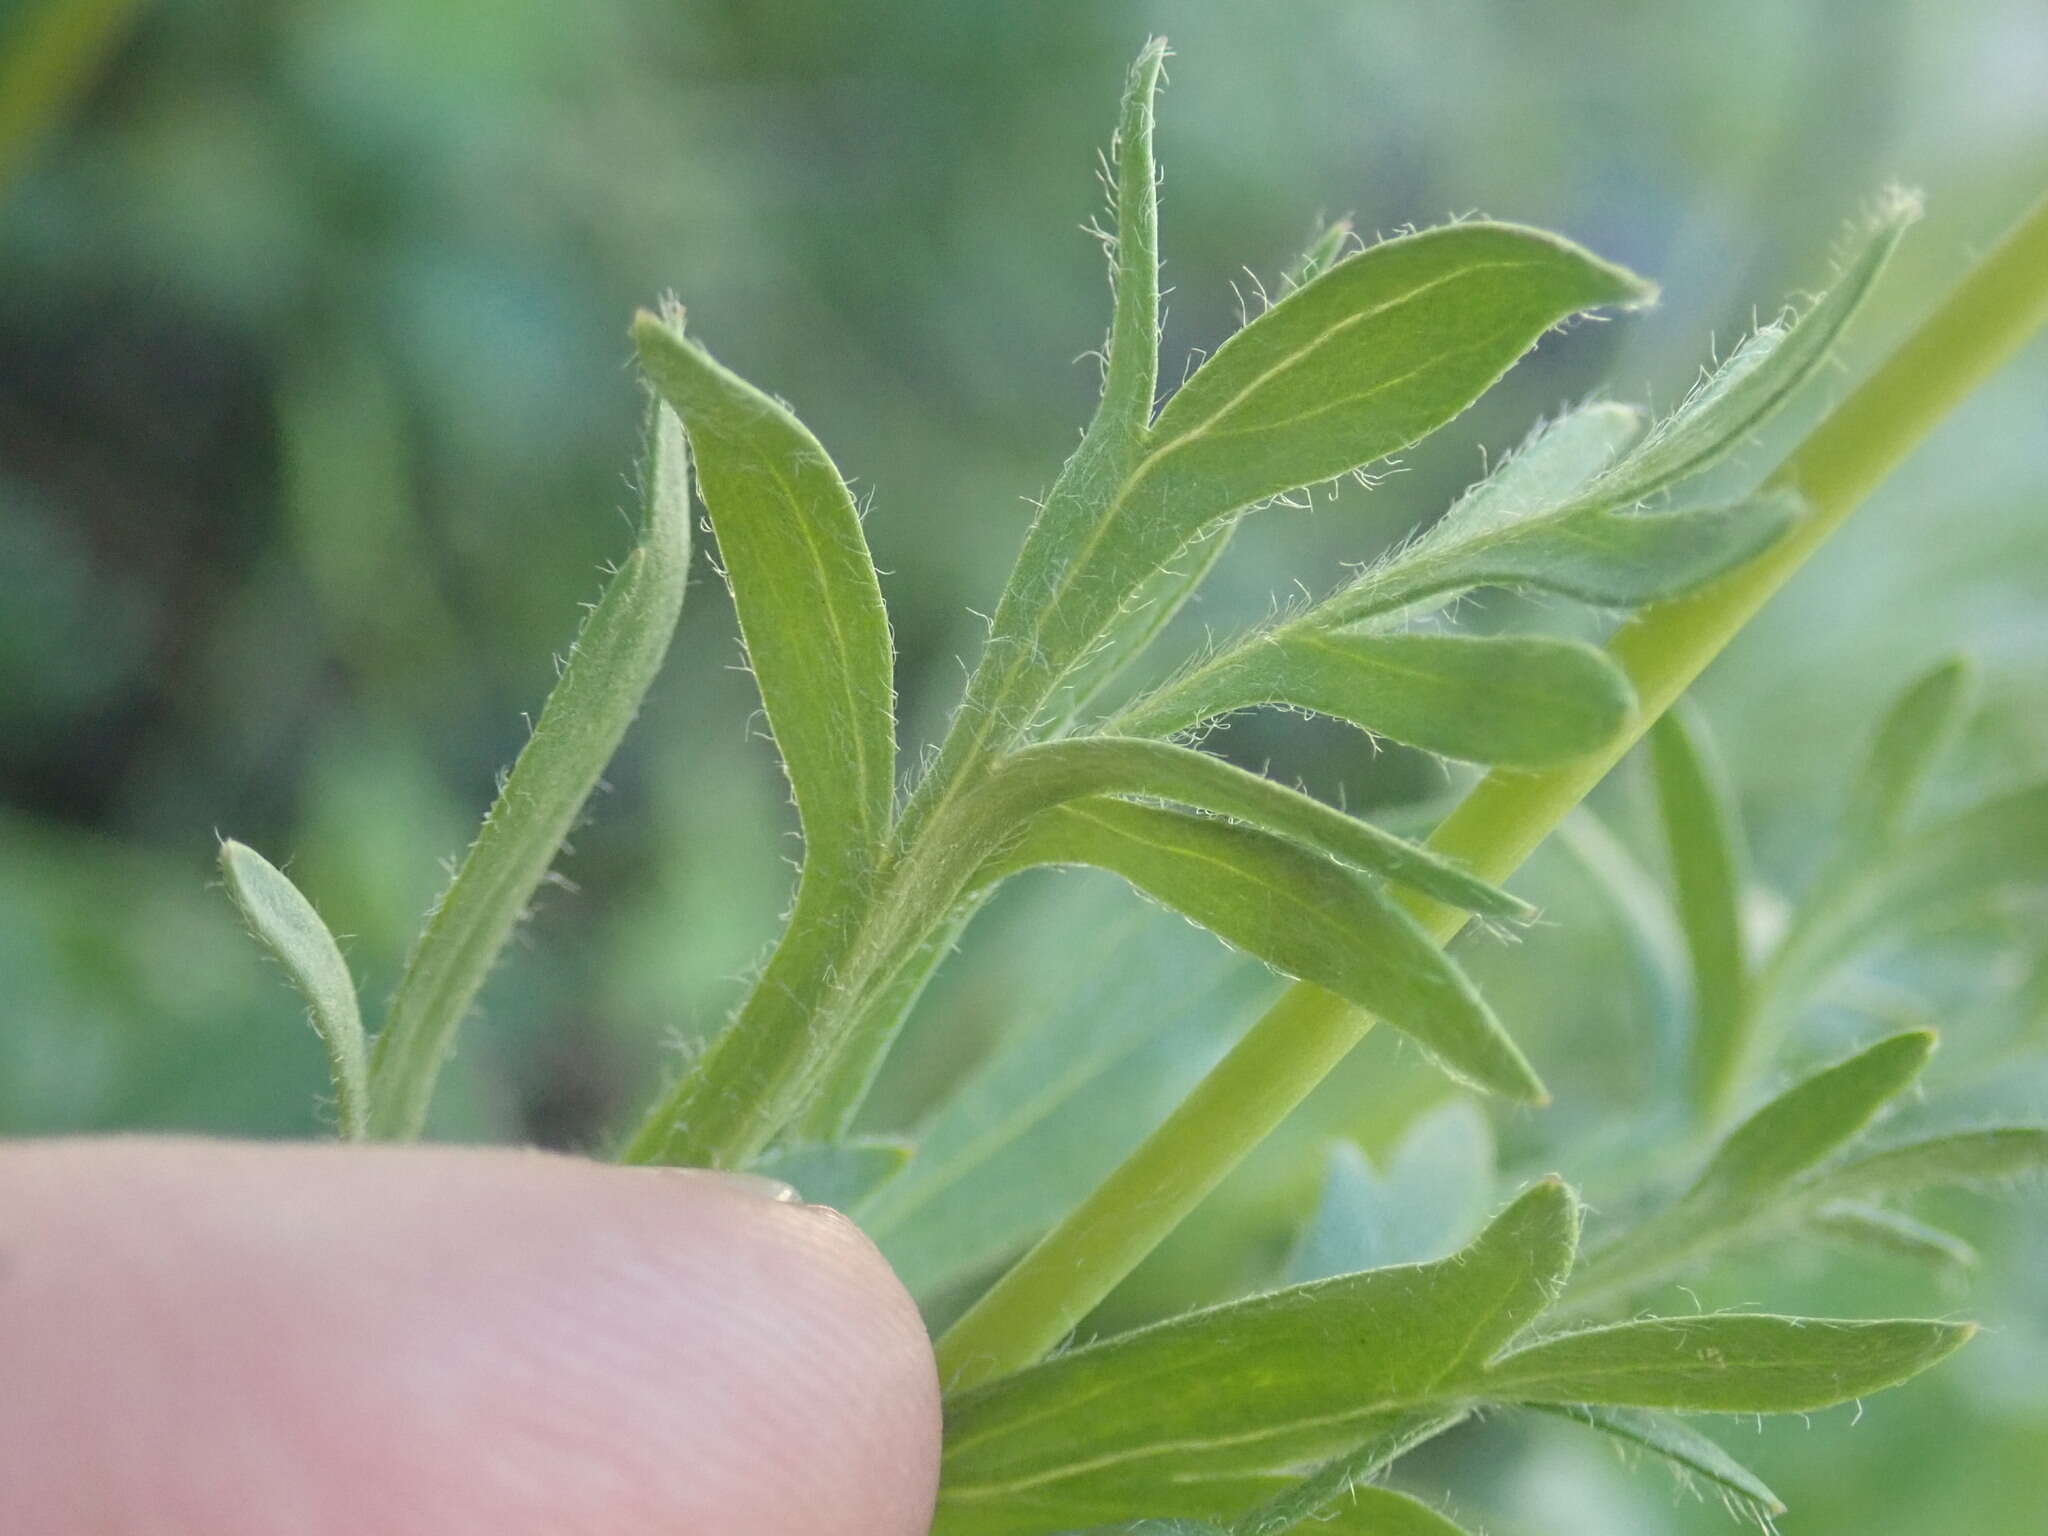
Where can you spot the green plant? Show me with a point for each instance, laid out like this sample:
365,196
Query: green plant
1281,1408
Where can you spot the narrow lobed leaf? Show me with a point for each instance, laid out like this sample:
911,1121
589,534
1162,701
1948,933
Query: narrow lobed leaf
1121,1013
1369,357
1762,374
285,923
1999,843
1130,375
1808,1121
1056,772
1300,912
1993,1155
1514,701
1753,1176
1691,1453
1703,831
607,674
1915,730
1370,1511
1590,553
1373,355
810,606
1339,1490
1299,1374
1559,459
1874,1229
1724,1363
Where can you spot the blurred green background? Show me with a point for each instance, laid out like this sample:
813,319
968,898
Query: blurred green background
316,424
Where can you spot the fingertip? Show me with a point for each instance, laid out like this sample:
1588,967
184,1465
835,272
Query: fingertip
233,1338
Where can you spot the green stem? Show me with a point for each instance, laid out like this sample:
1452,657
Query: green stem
1285,1054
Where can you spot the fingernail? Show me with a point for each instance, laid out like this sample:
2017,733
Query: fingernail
759,1185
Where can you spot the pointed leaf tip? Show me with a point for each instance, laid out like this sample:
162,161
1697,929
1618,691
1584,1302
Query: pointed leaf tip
285,923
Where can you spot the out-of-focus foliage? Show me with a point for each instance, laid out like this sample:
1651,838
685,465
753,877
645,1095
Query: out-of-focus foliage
313,400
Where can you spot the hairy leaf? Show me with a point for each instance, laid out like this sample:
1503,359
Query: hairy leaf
1060,771
1113,1015
1300,1373
1516,701
1724,1363
1872,1228
1338,1484
1918,727
1589,552
1700,825
608,672
1300,912
1370,1511
810,608
1993,1155
1130,375
1811,1119
1641,914
1678,1443
1380,350
285,923
1560,458
1999,843
1320,254
1747,1181
1432,1197
1761,374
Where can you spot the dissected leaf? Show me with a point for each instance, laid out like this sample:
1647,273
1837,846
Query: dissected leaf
1701,826
1640,912
837,1174
1370,1511
1752,1176
1854,1224
2000,842
1993,1155
607,673
1300,912
1678,1443
1376,353
1513,700
286,925
1559,525
1435,1192
1338,1484
1592,553
1302,1373
1131,369
810,608
1761,374
1082,1071
1060,771
1918,727
1559,459
1724,1362
1811,1119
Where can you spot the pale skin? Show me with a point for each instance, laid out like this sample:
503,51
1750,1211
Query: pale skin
380,1341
